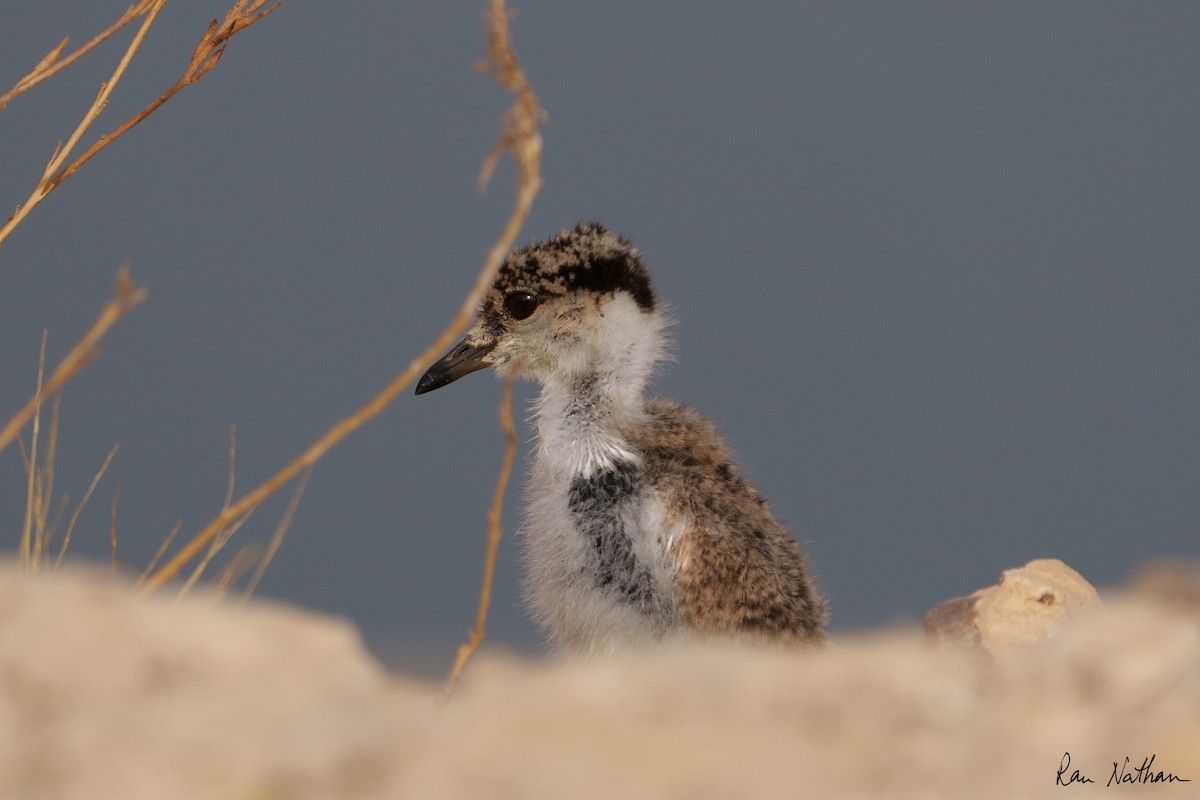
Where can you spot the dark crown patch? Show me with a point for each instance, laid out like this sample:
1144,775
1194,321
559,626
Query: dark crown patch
586,258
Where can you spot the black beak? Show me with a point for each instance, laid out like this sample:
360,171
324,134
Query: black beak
463,359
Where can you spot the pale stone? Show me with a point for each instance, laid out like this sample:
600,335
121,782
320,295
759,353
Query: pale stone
1025,608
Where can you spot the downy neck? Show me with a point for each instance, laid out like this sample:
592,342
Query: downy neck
582,413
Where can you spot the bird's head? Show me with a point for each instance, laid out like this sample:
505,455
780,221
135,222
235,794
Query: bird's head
577,304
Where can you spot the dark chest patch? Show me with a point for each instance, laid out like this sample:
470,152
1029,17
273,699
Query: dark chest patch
598,505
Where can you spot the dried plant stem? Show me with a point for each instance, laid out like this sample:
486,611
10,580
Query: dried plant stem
43,528
53,528
47,182
62,550
285,522
520,136
231,482
218,544
24,552
162,548
239,565
112,532
475,638
207,53
81,354
522,140
225,534
51,64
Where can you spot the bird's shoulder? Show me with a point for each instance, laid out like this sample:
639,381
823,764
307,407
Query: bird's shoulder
737,568
684,455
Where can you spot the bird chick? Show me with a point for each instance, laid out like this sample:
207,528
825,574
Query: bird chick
639,526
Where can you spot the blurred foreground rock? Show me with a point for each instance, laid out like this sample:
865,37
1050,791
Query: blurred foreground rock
1027,607
106,696
1173,583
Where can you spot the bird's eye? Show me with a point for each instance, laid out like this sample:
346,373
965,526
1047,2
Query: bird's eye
521,304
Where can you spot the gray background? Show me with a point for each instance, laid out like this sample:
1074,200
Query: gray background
934,266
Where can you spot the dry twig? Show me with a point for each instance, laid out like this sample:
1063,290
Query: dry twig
217,545
285,522
62,550
162,548
24,551
39,529
522,140
207,53
520,137
51,64
223,536
246,557
47,182
81,354
112,533
475,637
44,528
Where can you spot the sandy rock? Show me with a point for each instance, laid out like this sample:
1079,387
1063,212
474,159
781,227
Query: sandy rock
1025,608
103,695
1175,583
875,716
106,696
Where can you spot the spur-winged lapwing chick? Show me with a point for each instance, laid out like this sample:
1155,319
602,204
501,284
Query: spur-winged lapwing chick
639,525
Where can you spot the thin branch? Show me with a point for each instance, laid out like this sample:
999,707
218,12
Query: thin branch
475,638
47,183
207,53
51,64
81,354
24,553
162,548
238,566
519,134
225,534
45,490
217,545
232,465
112,532
522,140
285,522
63,502
62,550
